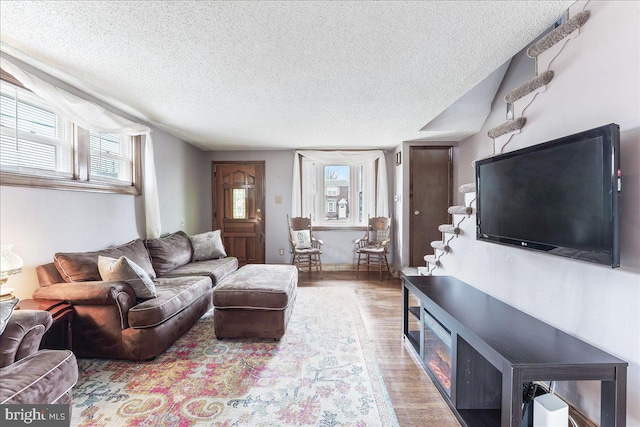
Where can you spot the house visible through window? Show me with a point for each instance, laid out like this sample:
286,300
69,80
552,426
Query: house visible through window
42,149
336,194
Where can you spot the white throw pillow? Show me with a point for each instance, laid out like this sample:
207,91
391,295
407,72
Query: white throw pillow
125,270
302,238
207,246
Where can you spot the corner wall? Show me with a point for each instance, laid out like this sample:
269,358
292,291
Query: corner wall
597,81
40,222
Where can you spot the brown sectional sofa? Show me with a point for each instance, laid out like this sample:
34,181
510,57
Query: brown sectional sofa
110,321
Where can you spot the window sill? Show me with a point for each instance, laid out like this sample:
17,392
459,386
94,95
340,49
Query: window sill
55,183
339,227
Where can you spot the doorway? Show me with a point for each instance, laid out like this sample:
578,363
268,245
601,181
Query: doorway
430,195
238,209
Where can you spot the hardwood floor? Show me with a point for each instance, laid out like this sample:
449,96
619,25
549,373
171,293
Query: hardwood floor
415,399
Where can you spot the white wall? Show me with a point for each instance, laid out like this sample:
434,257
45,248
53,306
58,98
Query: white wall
597,81
338,245
184,180
41,222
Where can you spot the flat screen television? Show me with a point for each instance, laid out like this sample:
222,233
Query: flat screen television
561,197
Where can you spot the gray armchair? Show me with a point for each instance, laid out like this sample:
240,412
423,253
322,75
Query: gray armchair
29,375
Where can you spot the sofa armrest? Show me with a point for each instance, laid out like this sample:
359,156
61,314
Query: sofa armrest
23,334
45,377
87,293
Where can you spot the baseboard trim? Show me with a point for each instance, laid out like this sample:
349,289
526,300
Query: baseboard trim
352,268
339,267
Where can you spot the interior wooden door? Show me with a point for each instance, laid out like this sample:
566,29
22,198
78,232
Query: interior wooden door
430,193
238,209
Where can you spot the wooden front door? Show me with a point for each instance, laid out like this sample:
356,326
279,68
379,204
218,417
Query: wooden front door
238,209
430,192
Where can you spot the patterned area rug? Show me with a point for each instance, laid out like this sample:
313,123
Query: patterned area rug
322,373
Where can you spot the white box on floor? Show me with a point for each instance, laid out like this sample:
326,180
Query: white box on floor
550,411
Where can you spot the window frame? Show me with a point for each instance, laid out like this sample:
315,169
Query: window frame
80,178
317,193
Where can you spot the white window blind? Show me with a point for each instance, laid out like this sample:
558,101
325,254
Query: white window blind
111,156
85,115
33,139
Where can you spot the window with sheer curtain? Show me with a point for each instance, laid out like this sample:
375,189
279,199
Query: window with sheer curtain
339,188
41,148
337,194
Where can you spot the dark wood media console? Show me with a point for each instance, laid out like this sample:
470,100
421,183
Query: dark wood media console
479,351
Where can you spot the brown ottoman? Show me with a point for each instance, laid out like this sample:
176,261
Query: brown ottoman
255,301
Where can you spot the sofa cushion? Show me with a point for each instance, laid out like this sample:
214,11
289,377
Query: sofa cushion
207,246
125,270
258,287
83,266
43,377
169,252
216,269
48,274
174,295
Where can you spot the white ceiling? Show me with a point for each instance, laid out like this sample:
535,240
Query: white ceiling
275,75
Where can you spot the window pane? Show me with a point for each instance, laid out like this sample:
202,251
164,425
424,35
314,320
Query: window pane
110,156
34,139
36,120
239,203
336,193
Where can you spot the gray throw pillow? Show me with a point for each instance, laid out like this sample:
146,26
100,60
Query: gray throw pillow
169,252
6,308
207,246
125,270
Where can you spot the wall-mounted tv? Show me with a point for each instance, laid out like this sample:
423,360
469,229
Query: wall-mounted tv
561,197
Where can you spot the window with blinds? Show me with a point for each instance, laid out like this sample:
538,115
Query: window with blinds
39,148
110,156
34,139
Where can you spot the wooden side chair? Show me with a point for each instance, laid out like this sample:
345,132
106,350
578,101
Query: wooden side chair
373,248
305,249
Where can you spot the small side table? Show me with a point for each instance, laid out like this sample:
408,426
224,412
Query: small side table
58,337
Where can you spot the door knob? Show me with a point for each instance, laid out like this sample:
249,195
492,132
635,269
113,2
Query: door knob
416,212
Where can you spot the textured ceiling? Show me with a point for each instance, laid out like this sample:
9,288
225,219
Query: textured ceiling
269,75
